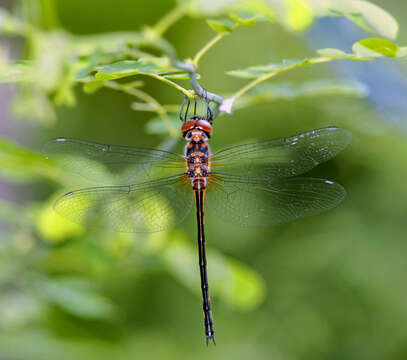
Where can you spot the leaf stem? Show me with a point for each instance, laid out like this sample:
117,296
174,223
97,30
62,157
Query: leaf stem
169,19
206,48
171,83
209,45
268,76
50,18
148,99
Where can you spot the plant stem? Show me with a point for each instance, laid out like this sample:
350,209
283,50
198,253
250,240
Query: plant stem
171,83
169,19
50,18
268,76
199,90
160,110
206,48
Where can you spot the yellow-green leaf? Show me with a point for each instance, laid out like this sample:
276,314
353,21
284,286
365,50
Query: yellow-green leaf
126,68
221,26
341,55
375,47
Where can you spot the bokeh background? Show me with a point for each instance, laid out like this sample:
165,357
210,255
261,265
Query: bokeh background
328,287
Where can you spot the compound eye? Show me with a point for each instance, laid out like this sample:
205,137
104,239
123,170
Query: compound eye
188,135
205,126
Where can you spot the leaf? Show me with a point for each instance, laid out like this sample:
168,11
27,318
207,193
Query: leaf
291,91
93,85
375,47
77,296
376,18
233,282
337,54
299,15
243,288
126,68
254,72
368,16
9,25
259,9
222,26
53,227
14,72
243,19
34,104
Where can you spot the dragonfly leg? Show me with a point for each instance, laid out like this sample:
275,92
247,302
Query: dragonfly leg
183,117
209,111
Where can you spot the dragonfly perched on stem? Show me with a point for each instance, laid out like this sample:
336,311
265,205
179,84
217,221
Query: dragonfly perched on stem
252,184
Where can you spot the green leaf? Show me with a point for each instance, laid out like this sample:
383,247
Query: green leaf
93,85
77,296
291,91
221,26
298,15
126,68
259,9
34,104
243,19
341,55
254,72
368,16
375,47
14,72
10,25
376,18
53,227
243,288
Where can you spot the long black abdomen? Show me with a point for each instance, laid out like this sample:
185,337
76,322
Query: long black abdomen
208,320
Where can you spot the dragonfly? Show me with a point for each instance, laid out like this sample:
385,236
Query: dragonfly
255,184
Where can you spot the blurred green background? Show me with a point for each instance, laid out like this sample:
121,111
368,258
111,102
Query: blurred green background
327,287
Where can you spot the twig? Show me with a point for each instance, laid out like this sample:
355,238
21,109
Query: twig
169,19
206,48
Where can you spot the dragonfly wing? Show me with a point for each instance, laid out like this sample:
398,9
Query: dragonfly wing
112,163
265,202
144,207
283,157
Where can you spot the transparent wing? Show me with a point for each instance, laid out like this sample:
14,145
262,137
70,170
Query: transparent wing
263,202
112,164
144,207
283,157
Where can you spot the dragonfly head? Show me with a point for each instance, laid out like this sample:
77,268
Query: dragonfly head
196,128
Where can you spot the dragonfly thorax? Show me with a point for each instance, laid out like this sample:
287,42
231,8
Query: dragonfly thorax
196,132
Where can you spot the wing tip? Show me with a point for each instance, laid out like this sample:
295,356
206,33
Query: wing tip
347,133
48,145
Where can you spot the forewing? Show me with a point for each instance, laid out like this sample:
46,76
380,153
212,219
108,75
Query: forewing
112,164
145,207
283,157
252,202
